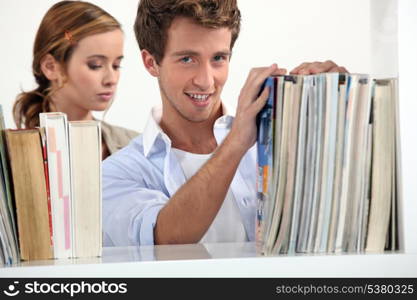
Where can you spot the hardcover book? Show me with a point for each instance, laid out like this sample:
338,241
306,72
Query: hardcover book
27,168
85,161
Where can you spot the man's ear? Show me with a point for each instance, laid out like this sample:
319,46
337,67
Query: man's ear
150,63
51,68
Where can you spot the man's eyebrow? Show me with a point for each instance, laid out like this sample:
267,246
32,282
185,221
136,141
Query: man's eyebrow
102,56
195,53
223,53
185,53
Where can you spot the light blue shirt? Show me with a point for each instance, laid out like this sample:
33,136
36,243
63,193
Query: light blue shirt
139,180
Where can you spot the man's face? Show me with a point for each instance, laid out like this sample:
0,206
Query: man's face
194,70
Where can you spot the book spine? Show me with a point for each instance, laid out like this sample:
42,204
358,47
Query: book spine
48,191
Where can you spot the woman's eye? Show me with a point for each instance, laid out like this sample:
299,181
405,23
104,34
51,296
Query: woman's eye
94,66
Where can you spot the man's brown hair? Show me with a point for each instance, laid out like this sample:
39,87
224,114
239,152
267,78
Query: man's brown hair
154,17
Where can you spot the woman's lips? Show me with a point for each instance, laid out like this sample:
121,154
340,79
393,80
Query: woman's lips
106,96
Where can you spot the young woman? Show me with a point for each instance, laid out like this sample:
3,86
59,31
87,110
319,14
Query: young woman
76,63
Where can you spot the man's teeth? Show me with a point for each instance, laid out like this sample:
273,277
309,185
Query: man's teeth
198,97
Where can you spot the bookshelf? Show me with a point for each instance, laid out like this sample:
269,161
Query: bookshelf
217,260
240,260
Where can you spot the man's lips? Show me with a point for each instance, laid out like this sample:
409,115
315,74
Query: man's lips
198,96
199,99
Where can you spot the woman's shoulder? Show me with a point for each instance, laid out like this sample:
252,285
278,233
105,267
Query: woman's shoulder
116,137
118,130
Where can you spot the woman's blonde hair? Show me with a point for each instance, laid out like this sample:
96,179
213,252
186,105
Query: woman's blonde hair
64,24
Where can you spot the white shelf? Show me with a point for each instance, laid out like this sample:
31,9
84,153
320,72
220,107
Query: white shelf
217,260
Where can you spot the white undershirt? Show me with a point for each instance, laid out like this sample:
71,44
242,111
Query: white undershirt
227,226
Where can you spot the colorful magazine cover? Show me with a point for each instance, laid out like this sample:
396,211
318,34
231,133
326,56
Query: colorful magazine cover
265,150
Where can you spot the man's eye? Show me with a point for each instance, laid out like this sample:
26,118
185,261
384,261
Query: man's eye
219,58
186,59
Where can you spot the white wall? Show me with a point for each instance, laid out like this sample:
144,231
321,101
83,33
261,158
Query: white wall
407,65
286,32
384,34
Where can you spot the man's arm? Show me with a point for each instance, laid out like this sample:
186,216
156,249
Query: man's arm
192,209
190,212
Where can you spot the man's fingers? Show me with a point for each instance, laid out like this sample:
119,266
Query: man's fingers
338,69
261,100
280,71
326,66
264,73
318,67
300,67
256,72
255,79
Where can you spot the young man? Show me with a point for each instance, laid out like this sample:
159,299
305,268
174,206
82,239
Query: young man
190,177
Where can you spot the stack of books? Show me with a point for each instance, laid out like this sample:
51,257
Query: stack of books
328,165
50,196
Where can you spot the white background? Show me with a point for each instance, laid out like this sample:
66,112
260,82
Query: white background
365,36
285,32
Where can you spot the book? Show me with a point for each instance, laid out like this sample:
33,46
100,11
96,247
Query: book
276,200
306,208
85,162
57,152
330,103
335,184
292,98
383,199
340,142
299,188
317,167
30,195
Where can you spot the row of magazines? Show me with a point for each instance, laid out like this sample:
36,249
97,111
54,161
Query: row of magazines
328,165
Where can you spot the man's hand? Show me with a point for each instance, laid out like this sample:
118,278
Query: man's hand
250,103
191,210
318,67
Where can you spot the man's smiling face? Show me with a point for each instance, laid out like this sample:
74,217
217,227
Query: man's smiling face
194,70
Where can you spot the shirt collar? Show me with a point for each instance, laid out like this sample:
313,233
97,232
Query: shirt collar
153,131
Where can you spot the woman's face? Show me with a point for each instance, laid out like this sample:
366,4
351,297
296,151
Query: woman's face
92,74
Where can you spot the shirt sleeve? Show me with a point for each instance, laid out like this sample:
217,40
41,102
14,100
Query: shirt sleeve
130,207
